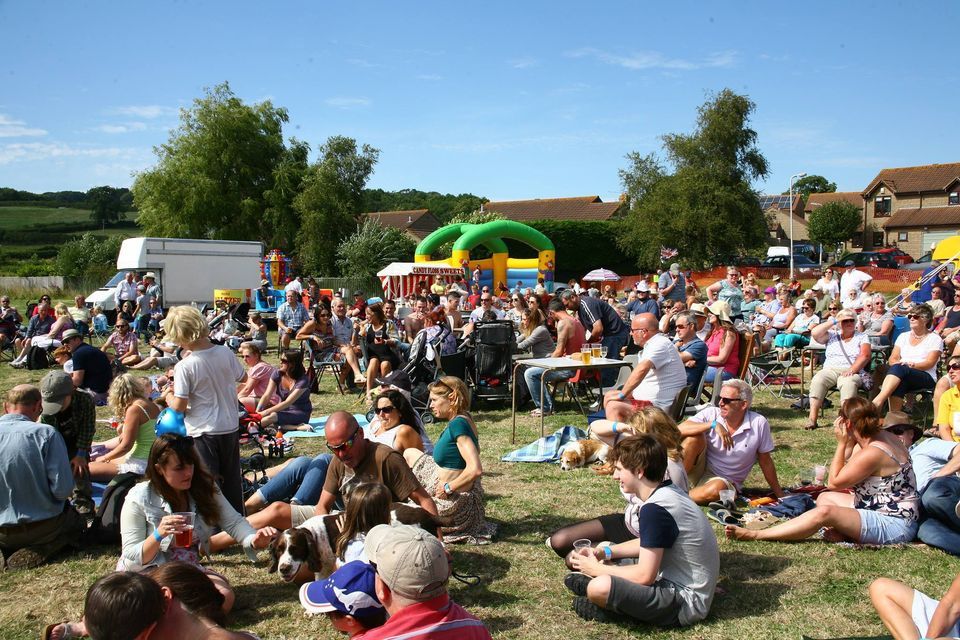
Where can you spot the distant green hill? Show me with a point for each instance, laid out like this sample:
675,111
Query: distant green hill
26,231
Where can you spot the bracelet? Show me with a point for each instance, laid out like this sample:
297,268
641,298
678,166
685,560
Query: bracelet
446,488
614,426
157,536
621,396
607,553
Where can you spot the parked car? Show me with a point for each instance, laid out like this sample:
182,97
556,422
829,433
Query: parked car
899,255
868,259
738,261
920,264
802,265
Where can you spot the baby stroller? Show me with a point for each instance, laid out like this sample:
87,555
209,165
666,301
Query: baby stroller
256,445
227,322
494,345
423,368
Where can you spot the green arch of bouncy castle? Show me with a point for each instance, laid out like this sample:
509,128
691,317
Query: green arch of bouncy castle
489,234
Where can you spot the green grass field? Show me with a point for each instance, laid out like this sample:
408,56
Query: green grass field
29,231
768,590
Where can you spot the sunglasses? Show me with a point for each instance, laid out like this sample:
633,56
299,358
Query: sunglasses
682,326
847,320
724,401
833,308
389,409
953,367
913,316
899,429
346,443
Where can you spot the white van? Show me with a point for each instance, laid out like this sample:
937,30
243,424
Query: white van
187,270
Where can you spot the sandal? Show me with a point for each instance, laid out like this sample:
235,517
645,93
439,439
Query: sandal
537,413
811,425
724,517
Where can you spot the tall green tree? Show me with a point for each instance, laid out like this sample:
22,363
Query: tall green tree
331,201
833,223
224,173
812,184
372,247
108,204
707,206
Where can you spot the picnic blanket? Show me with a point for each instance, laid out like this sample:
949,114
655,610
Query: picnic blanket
547,448
319,426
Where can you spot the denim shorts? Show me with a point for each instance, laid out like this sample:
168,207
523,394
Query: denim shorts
879,528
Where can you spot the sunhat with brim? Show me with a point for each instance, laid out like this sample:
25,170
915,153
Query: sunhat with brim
900,419
770,290
845,314
698,309
722,310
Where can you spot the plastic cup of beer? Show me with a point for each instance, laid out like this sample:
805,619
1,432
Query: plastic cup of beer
727,496
595,349
585,352
184,537
580,545
819,473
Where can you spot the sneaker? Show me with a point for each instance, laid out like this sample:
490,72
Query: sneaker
577,583
589,611
25,559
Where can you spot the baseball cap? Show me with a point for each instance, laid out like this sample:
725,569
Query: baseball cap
55,387
643,287
264,283
848,263
770,290
358,292
350,590
409,560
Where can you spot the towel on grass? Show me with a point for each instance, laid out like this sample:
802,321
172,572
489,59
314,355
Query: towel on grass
547,448
319,425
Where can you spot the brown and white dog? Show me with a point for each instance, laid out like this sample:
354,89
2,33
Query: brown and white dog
583,453
306,552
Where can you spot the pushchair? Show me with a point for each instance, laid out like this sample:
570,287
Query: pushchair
227,322
494,346
423,368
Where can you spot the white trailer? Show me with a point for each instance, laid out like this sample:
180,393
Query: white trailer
187,270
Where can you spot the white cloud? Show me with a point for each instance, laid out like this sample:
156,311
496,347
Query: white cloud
10,128
126,127
32,151
524,62
146,111
642,60
343,102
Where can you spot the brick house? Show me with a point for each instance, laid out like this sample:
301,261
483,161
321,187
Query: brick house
913,207
417,223
778,209
581,208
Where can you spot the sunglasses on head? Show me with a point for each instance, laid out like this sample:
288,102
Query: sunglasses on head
346,443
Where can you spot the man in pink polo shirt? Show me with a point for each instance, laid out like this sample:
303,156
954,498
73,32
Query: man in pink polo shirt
412,573
721,445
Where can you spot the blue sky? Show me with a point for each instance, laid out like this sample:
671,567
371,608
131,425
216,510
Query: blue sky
508,100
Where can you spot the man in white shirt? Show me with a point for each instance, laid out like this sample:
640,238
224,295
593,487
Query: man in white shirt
126,290
295,285
658,377
853,278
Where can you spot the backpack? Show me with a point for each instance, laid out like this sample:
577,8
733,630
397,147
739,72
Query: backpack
37,358
106,524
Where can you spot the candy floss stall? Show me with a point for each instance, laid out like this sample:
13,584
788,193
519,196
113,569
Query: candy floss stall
400,279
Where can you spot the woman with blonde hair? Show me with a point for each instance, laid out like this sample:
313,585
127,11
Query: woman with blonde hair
656,422
129,400
534,335
883,507
452,474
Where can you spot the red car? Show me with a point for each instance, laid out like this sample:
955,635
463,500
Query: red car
897,254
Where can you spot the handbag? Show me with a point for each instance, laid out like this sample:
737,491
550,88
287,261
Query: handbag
866,379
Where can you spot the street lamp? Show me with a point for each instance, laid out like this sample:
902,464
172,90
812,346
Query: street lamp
790,214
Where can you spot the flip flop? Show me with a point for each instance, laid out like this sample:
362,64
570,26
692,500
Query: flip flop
724,517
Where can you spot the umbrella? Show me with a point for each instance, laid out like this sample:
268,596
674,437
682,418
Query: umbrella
601,275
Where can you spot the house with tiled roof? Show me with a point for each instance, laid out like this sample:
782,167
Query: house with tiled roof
778,210
913,207
581,208
417,223
816,200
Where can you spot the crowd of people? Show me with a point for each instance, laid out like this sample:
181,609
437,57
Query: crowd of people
656,562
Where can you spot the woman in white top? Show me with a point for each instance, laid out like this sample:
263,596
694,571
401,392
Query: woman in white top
395,424
827,284
798,333
515,313
913,361
847,353
879,322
